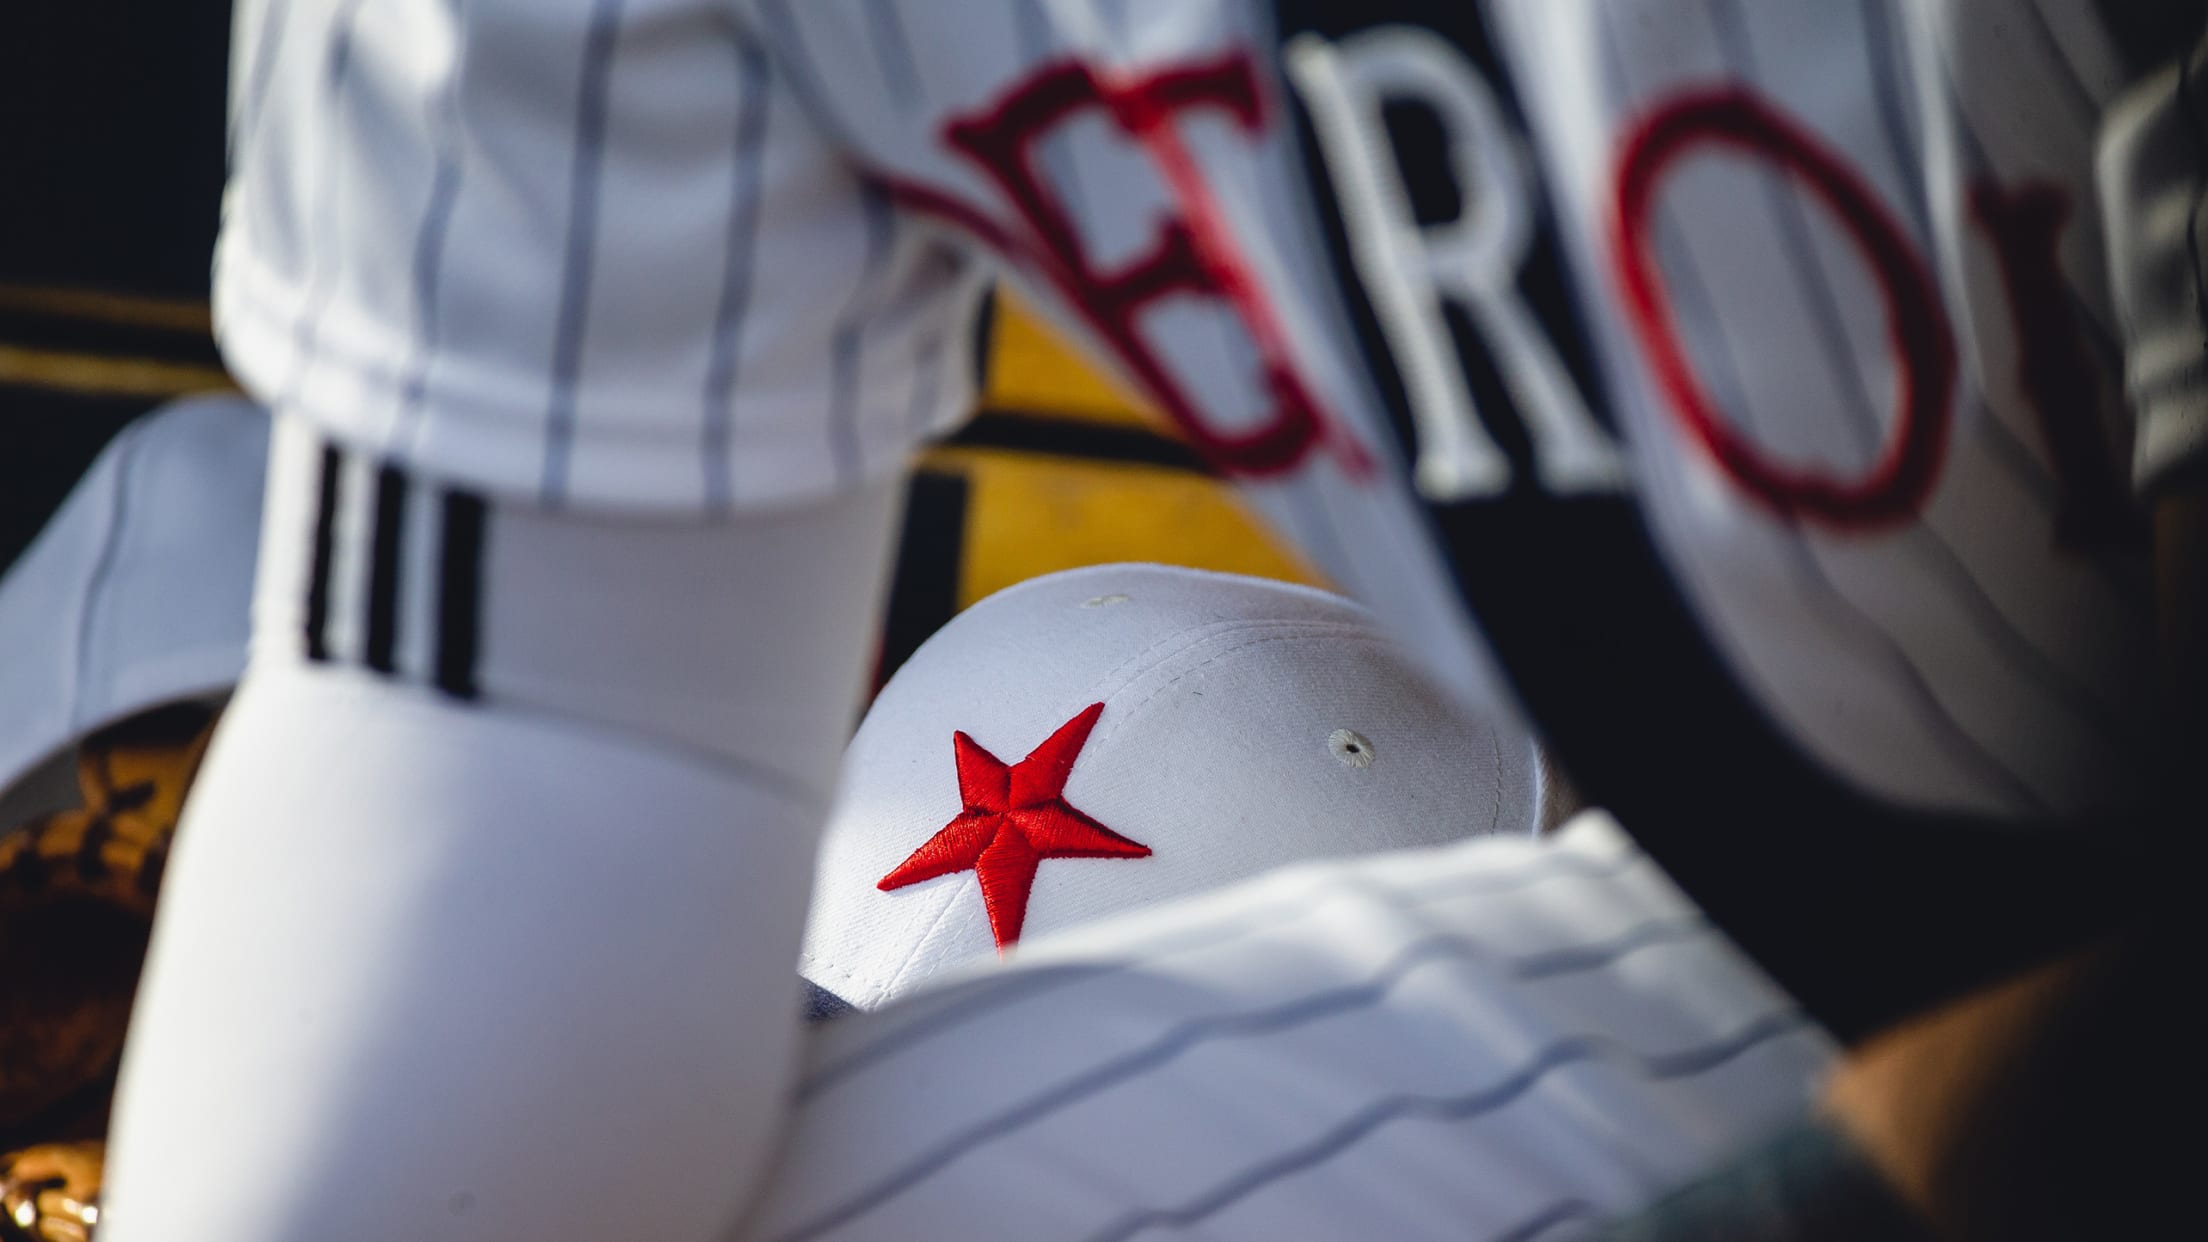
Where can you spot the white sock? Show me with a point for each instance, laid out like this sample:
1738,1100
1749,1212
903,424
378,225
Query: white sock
511,954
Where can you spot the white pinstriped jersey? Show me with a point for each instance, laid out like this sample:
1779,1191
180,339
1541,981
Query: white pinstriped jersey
674,254
1836,269
643,279
1986,643
1468,1043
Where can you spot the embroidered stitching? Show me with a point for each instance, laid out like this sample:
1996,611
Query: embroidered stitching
1014,817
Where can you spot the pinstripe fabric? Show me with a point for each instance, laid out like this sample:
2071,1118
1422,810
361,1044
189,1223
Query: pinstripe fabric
847,350
579,253
546,285
2064,690
429,248
1849,624
258,31
332,98
681,257
1403,1047
1958,659
716,447
893,50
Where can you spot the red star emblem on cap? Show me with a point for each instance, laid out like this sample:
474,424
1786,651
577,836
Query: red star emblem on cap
1014,818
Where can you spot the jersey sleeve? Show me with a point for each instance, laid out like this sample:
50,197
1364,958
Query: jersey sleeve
1564,1038
1137,171
579,252
1743,361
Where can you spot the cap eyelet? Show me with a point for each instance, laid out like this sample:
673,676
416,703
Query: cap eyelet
1351,747
1103,601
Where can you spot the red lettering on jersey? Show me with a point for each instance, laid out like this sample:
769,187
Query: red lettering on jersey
1729,117
1193,253
2057,375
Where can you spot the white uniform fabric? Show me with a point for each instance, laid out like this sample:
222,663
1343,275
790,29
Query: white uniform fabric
1234,725
680,254
625,253
476,236
2152,176
1989,649
433,950
672,642
588,252
427,969
1499,1039
135,592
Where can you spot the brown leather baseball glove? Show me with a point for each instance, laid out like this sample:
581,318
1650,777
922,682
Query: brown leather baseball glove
76,904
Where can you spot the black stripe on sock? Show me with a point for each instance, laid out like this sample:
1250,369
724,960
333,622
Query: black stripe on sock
318,572
459,594
383,569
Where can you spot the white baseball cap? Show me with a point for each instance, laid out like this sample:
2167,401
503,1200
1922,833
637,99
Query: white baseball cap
1105,738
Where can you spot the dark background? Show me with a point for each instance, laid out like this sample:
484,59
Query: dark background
111,135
